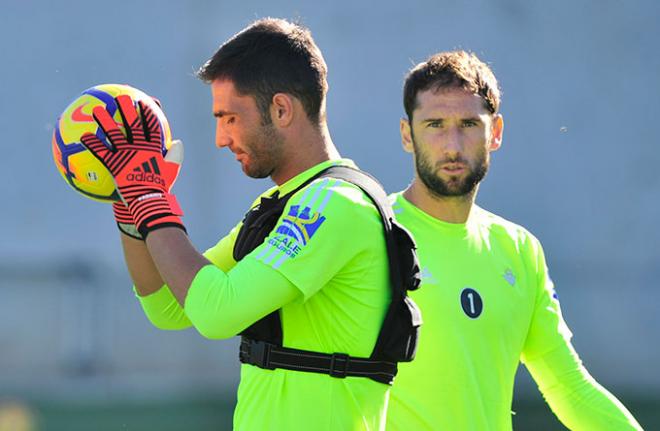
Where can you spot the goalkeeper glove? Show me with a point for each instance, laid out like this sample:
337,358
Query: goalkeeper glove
142,176
123,217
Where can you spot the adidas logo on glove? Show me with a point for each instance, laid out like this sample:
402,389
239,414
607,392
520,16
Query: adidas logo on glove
145,174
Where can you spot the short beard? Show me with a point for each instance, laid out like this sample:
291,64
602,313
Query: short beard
452,187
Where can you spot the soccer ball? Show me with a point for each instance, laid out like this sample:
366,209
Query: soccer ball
79,168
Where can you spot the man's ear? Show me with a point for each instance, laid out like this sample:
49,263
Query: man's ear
281,109
497,129
406,136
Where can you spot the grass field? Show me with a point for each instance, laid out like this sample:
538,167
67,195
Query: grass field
214,415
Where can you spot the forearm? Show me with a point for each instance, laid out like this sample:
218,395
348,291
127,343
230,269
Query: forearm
141,267
575,397
163,310
161,307
221,305
158,303
218,304
175,259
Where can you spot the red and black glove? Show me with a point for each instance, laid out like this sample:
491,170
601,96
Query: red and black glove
142,176
123,216
125,221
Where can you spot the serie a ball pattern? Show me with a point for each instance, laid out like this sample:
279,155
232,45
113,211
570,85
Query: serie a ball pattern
79,168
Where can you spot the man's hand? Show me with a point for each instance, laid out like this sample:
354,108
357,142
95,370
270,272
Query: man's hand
123,216
141,174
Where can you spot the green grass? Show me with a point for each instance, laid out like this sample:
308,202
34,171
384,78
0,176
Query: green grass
198,415
216,415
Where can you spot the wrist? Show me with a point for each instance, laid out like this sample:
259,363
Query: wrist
155,210
125,221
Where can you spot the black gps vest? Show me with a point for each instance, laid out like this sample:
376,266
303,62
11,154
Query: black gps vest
261,343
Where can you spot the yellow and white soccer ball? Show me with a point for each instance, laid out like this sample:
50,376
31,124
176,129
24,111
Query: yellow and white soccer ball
79,168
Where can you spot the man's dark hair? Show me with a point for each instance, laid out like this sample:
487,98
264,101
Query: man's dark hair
454,69
272,56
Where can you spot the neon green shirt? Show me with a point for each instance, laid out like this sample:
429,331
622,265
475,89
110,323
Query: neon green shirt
488,303
325,266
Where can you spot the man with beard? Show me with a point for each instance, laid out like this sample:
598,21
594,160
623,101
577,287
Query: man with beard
318,282
486,296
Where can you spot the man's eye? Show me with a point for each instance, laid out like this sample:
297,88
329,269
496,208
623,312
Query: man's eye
435,124
469,123
231,120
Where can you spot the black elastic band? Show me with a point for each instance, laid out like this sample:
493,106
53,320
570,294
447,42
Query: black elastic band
269,356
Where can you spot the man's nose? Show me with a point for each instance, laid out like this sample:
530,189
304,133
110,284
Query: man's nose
454,141
222,138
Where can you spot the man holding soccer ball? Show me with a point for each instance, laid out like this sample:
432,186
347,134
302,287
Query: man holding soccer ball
322,271
486,296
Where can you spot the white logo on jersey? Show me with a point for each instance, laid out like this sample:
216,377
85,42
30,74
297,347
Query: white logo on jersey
509,277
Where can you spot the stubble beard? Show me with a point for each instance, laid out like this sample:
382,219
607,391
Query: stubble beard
264,152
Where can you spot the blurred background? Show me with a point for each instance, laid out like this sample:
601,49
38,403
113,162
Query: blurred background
578,168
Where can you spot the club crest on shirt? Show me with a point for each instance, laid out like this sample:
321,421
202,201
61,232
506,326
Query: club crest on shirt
300,225
295,230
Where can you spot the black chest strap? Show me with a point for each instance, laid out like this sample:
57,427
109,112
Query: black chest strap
270,356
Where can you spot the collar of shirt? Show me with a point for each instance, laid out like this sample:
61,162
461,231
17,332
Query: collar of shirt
296,181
